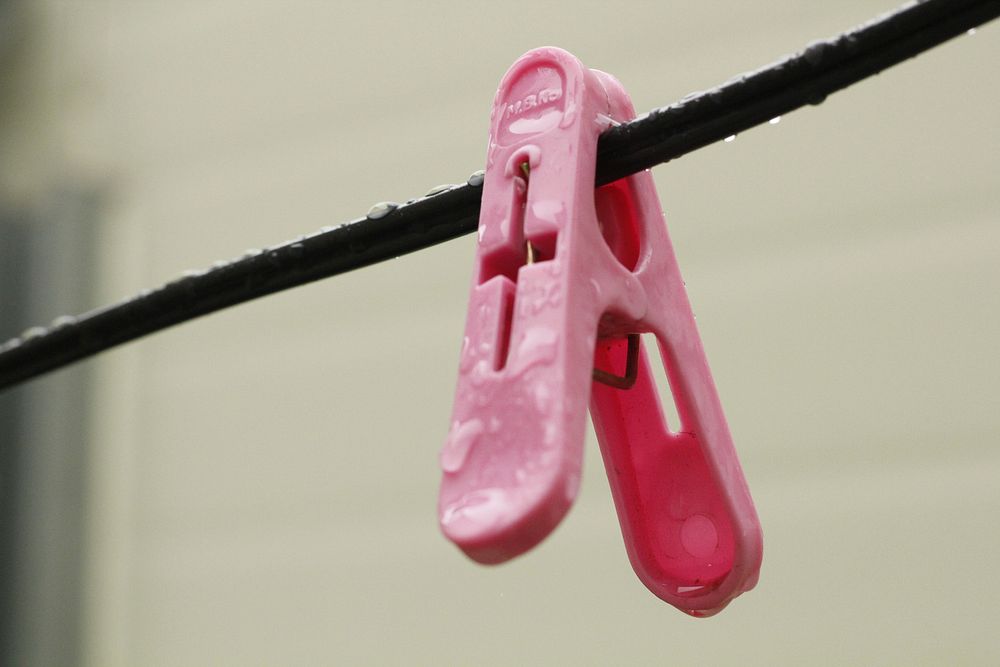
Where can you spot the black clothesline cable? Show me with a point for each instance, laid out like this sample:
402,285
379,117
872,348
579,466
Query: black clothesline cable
388,231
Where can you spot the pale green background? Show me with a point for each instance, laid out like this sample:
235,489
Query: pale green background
264,480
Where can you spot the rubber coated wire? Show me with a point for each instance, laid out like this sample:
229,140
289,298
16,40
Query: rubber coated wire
391,230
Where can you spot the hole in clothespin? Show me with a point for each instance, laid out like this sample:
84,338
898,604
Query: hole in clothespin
509,264
660,370
507,259
507,313
530,253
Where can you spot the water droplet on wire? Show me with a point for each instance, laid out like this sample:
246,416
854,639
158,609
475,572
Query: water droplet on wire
476,178
381,209
730,138
33,332
775,120
438,189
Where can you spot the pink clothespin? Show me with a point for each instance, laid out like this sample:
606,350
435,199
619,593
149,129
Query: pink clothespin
566,278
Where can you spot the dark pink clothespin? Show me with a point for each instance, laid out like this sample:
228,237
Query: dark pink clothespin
566,278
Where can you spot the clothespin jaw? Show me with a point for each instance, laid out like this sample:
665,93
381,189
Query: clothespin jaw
513,455
565,279
690,527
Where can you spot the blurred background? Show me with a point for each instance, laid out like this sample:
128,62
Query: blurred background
259,486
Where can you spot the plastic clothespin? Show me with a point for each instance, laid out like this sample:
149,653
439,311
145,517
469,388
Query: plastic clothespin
565,280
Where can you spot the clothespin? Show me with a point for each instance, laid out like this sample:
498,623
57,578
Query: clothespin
566,279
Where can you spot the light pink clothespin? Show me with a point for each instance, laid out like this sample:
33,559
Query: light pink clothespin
566,278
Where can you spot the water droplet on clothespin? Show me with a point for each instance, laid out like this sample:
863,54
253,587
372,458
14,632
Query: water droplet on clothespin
730,138
775,120
484,507
381,209
461,439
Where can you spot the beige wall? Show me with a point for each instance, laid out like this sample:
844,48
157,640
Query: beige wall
265,479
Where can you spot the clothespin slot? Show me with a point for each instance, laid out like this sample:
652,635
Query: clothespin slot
506,261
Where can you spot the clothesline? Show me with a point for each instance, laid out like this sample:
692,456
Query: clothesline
390,230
